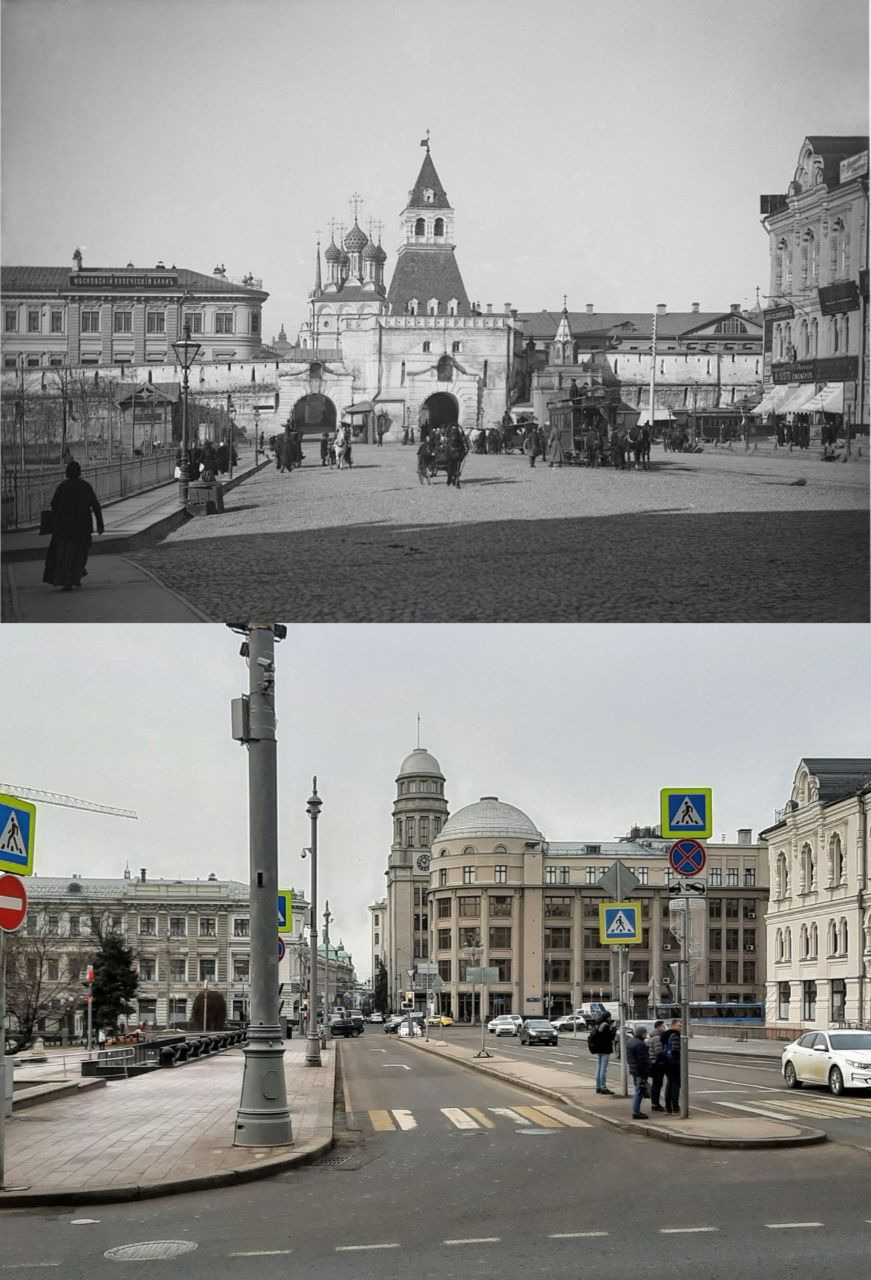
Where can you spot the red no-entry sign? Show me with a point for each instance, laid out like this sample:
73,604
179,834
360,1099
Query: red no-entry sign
13,903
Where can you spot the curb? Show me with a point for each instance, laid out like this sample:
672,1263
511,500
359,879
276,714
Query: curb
49,1092
804,1138
172,1187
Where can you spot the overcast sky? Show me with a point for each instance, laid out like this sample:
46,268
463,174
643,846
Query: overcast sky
612,150
578,726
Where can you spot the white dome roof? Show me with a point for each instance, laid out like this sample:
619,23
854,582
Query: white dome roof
489,818
420,761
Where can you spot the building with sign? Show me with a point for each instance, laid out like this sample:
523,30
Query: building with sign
182,934
99,316
487,877
815,339
818,923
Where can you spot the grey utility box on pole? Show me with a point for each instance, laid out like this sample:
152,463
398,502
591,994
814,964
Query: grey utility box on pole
263,1117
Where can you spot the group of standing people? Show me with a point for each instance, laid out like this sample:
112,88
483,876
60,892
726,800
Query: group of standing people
288,450
656,1061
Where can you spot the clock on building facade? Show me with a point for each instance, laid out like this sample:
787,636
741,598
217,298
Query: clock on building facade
423,862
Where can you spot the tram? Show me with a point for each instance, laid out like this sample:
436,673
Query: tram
721,1013
587,422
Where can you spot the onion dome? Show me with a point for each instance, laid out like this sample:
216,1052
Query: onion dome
356,239
332,253
381,256
370,253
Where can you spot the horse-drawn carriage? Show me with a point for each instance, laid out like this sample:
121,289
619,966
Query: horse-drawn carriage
447,447
588,422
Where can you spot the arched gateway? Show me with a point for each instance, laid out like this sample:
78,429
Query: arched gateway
439,410
313,414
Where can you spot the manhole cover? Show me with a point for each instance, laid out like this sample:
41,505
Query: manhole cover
330,1160
150,1250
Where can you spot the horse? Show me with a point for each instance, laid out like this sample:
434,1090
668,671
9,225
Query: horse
341,448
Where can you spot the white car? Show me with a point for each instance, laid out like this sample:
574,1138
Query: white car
506,1024
839,1059
569,1023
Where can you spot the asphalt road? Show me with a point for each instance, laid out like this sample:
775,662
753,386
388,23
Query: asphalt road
718,1083
699,538
443,1199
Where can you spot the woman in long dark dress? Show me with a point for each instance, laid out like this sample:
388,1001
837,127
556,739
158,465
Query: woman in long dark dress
73,502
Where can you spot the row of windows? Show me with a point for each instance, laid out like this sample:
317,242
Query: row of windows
806,335
734,940
438,227
208,927
592,875
77,927
837,940
412,307
206,969
837,1004
416,831
425,787
727,971
556,907
836,869
122,321
809,258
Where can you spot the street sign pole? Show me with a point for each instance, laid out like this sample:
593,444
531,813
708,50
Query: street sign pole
685,1015
3,1058
622,970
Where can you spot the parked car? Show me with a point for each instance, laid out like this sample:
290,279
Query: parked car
359,1021
376,1017
341,1024
506,1024
538,1031
393,1023
440,1020
570,1022
838,1058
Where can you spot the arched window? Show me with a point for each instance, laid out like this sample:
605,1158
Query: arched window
787,943
732,325
778,342
778,945
814,336
842,936
456,346
813,941
846,334
803,340
808,870
452,307
835,332
420,227
438,228
808,258
803,943
412,306
425,347
832,939
433,307
836,862
839,250
445,369
781,876
782,267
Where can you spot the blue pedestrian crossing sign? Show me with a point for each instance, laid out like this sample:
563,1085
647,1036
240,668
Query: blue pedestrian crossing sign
285,910
620,922
17,831
686,811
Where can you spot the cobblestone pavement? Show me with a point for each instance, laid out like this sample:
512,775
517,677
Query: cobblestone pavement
717,536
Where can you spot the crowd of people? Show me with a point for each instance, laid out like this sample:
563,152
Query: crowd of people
207,461
652,1063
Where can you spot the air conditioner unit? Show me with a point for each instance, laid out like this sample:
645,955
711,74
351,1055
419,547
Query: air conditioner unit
666,946
751,915
750,946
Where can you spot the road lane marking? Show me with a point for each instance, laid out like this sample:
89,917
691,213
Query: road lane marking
476,1240
684,1231
481,1117
26,1266
575,1235
381,1120
572,1122
539,1117
353,1248
405,1119
404,1066
788,1226
459,1118
259,1253
512,1115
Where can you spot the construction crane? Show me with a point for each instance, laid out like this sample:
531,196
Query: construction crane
68,802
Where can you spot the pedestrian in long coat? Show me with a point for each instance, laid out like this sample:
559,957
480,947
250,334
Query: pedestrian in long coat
73,503
555,453
532,444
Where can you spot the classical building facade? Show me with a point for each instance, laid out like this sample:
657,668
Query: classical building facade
414,350
182,934
103,316
818,923
815,342
489,879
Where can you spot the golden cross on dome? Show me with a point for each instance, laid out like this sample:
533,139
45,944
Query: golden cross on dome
356,199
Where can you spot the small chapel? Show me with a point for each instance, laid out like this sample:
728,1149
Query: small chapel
412,351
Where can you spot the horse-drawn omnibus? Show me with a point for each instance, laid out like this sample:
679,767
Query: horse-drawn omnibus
587,422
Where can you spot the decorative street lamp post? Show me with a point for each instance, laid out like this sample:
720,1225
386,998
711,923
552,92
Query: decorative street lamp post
186,353
256,431
313,1040
231,414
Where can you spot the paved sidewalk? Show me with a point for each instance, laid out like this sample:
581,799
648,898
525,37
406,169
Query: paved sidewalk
163,1133
702,1128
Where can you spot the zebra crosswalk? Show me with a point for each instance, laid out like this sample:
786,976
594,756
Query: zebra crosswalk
543,1116
819,1106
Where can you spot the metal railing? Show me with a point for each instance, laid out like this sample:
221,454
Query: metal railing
26,493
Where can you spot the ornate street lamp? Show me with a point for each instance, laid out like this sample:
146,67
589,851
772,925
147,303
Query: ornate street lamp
231,414
313,1042
186,353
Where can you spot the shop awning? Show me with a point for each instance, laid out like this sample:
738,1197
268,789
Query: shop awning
796,401
772,400
365,406
830,399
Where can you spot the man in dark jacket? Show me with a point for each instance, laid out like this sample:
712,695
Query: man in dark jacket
656,1049
601,1042
638,1061
671,1045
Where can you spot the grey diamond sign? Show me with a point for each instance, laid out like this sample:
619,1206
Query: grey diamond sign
618,881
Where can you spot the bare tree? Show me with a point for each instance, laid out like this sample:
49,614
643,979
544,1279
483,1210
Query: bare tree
43,977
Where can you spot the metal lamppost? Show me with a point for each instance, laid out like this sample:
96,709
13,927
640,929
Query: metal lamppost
256,434
313,1040
231,414
327,918
263,1117
186,353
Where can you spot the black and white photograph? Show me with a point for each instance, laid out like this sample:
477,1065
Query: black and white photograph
500,313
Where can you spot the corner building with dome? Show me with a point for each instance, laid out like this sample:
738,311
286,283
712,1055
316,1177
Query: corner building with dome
486,877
